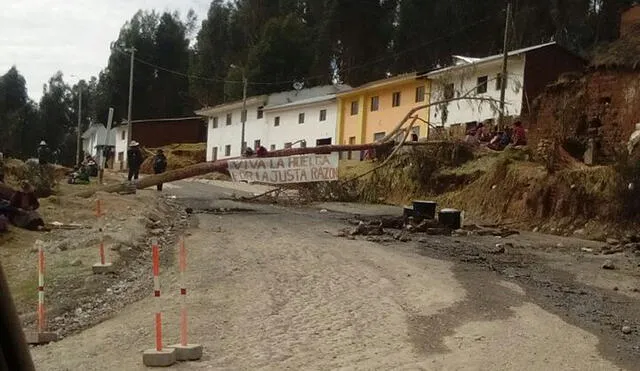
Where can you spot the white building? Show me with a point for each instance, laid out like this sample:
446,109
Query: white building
120,138
304,117
95,139
529,70
224,130
307,122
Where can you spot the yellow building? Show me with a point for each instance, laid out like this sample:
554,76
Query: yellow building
371,111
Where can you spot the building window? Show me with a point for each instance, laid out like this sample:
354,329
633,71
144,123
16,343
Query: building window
499,82
214,123
273,147
229,117
243,116
354,108
276,121
375,103
481,87
396,99
420,94
378,136
323,115
260,113
287,145
256,143
122,135
227,150
323,142
449,91
301,118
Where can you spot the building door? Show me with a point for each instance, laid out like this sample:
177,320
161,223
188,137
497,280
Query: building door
256,144
214,154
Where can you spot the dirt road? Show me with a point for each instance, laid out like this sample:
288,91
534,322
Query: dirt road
271,289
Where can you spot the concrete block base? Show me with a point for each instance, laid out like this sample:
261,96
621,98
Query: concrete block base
37,338
103,268
189,352
164,358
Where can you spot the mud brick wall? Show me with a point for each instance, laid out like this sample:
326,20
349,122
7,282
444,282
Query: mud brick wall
604,104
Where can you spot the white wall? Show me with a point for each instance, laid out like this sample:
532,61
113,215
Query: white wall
121,147
312,129
465,79
225,135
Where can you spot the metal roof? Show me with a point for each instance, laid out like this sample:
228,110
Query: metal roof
319,99
477,61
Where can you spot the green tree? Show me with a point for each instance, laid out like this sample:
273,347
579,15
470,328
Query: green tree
212,54
283,53
18,117
55,113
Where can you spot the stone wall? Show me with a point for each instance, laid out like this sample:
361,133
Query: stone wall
603,105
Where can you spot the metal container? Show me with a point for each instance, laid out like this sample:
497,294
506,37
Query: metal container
425,209
450,218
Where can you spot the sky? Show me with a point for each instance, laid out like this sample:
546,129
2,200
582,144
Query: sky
41,37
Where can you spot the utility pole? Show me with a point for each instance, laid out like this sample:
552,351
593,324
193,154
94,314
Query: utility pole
243,115
505,58
78,139
129,124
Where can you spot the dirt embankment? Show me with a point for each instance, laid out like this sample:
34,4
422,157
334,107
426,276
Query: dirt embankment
75,297
506,187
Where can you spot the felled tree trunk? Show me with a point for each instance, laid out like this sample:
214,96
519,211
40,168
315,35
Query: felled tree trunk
221,166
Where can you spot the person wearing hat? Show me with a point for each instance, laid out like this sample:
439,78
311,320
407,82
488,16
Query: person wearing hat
159,165
134,160
43,153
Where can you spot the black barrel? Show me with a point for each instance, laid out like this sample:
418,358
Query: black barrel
450,218
407,213
425,209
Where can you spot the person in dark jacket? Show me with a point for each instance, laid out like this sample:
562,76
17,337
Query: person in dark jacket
159,165
134,160
44,153
23,205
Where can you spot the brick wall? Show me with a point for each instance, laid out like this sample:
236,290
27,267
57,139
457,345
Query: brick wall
603,105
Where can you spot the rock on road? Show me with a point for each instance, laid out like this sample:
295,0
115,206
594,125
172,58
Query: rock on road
270,289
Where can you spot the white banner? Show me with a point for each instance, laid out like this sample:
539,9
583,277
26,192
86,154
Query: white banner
282,170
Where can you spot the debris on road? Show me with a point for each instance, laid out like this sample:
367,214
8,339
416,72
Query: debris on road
608,265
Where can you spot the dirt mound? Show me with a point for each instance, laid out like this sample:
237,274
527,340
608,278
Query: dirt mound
178,156
504,187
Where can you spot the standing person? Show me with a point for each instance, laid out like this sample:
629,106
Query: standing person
134,160
159,165
43,153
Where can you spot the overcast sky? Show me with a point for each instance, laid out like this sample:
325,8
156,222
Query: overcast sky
41,37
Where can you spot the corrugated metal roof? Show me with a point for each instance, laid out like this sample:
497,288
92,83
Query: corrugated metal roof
491,58
302,102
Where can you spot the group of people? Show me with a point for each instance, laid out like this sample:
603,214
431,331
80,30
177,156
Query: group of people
498,140
261,151
135,158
